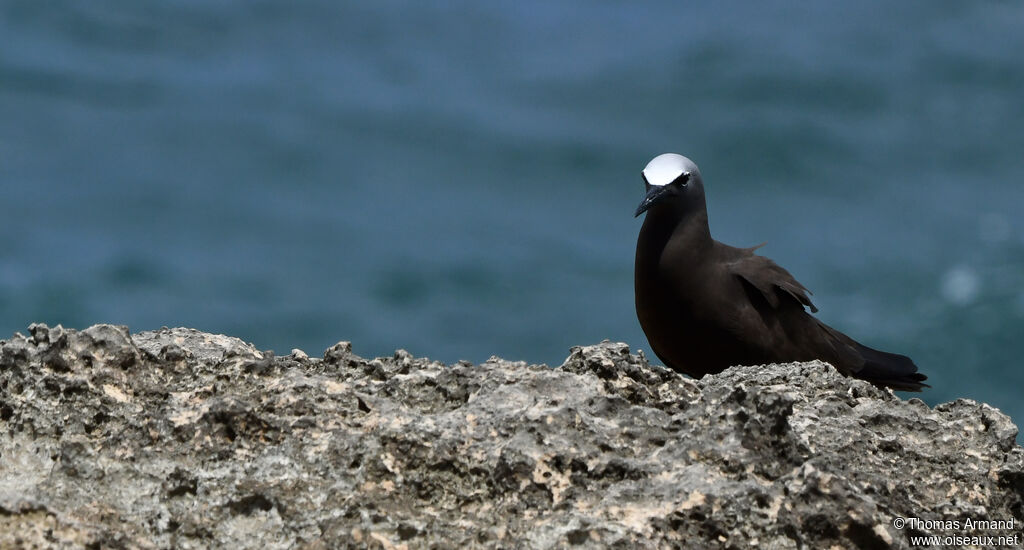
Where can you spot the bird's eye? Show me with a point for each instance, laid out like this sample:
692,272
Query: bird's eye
682,180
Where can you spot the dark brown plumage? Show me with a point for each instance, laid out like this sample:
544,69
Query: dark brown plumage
706,306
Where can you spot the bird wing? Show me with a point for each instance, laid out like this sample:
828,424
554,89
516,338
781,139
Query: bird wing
764,277
777,286
769,279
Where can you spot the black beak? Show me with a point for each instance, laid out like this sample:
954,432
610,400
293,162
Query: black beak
656,193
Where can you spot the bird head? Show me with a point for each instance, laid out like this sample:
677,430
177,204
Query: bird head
671,179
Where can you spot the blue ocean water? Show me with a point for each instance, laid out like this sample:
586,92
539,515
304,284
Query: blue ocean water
457,179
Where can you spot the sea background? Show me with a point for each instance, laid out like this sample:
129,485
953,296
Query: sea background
458,178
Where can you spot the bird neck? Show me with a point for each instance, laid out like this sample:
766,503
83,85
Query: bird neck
687,228
694,228
670,240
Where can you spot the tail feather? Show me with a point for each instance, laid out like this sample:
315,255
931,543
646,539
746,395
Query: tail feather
890,369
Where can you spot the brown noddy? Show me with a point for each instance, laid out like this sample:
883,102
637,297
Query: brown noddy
706,306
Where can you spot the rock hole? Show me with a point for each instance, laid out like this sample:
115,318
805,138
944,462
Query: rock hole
250,504
578,536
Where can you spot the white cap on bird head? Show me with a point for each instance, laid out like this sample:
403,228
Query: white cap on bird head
665,169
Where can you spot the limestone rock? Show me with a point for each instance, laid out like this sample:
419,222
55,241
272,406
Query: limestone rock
178,438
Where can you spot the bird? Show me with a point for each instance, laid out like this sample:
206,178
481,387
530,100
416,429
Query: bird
706,306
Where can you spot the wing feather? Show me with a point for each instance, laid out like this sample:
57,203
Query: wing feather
769,279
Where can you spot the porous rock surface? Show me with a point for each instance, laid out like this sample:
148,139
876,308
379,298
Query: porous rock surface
178,438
